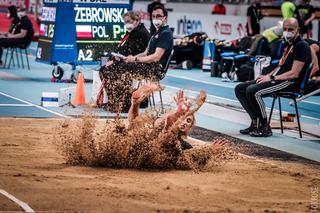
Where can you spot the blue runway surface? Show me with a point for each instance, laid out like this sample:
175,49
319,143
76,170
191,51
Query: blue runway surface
14,107
21,91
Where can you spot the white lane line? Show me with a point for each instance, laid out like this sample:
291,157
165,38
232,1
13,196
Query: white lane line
67,88
15,105
22,204
310,102
200,81
235,101
195,92
39,107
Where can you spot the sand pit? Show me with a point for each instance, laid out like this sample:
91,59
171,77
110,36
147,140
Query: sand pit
33,170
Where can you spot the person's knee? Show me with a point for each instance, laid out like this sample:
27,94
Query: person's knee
251,91
239,89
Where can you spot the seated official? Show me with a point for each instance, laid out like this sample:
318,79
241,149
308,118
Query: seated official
315,53
20,36
134,42
13,29
314,81
287,76
149,64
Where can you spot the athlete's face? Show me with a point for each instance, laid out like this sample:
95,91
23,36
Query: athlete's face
186,124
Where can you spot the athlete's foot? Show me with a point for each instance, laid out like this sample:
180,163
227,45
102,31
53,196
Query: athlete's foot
143,92
196,103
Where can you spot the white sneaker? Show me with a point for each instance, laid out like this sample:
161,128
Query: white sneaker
225,77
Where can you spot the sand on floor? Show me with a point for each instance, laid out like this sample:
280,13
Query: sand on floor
32,170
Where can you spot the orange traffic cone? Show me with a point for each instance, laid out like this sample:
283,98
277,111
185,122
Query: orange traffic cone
79,98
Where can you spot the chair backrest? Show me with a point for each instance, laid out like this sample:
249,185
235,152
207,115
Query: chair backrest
276,49
168,61
26,43
305,79
281,49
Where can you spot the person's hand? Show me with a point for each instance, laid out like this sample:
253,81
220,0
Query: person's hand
116,58
183,103
219,143
129,59
250,32
183,106
179,97
306,23
263,78
3,35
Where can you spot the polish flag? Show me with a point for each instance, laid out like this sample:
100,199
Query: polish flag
42,30
84,31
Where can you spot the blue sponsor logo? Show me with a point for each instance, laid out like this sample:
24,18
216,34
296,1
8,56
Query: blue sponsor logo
188,26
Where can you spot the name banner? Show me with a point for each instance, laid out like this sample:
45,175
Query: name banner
98,29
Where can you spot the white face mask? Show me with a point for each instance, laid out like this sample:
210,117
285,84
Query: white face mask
157,23
21,14
129,27
288,35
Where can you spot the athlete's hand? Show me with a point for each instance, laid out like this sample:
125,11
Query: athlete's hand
179,97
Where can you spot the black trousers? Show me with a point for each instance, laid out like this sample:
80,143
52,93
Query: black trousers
250,95
10,42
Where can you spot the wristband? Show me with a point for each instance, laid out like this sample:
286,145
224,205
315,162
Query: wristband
136,59
272,78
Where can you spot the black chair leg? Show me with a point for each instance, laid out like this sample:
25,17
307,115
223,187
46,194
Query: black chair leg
280,110
17,57
26,51
298,119
271,111
6,58
161,102
153,101
21,57
11,59
150,100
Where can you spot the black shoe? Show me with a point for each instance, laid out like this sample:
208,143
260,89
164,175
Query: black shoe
247,131
263,131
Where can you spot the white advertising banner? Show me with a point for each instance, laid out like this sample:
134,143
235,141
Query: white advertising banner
216,26
225,27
